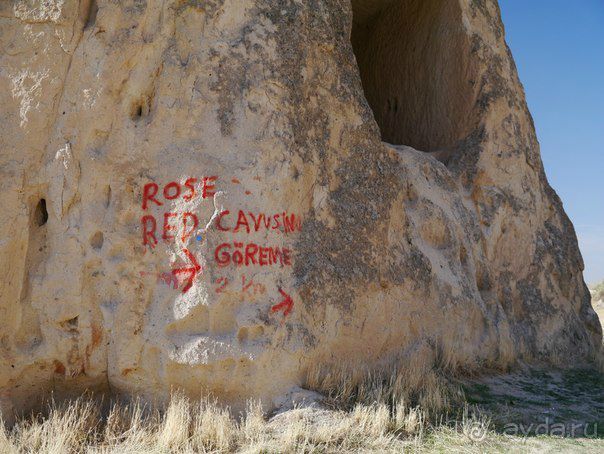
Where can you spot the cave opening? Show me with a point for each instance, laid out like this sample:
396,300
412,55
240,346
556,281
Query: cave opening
415,67
41,213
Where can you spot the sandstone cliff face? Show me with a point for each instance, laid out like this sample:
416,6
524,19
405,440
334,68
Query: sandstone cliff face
203,195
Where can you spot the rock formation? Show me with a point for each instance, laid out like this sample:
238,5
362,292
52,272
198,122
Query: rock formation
217,195
597,299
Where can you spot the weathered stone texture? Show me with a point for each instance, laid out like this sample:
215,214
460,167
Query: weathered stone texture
459,254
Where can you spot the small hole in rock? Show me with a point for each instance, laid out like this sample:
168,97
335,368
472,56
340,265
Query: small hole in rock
93,9
70,324
242,334
483,280
139,109
107,196
463,255
96,240
40,213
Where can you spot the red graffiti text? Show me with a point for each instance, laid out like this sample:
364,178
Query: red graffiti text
248,287
240,254
186,223
204,187
254,222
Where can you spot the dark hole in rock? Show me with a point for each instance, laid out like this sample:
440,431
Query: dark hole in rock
40,213
107,196
91,13
97,240
70,325
140,109
416,71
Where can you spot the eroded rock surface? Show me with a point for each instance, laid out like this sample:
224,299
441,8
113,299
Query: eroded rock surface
200,194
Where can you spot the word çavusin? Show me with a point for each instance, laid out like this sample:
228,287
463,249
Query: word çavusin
281,222
188,222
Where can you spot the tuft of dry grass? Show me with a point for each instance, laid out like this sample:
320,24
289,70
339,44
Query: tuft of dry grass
186,426
404,412
416,385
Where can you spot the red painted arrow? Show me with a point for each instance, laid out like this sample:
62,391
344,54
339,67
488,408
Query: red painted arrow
286,304
192,270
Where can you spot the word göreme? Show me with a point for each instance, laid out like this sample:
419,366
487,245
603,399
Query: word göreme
235,253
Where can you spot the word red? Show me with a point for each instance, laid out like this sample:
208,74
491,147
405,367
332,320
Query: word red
192,187
251,254
171,221
259,221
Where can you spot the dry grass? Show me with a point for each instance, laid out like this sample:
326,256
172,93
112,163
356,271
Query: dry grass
187,426
373,415
361,412
420,387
